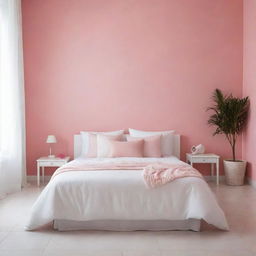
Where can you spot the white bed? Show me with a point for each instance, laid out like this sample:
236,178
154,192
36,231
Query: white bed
119,200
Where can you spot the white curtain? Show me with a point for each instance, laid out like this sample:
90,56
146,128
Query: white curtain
12,109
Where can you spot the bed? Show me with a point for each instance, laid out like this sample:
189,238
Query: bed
119,200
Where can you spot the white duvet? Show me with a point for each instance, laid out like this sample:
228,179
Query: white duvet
123,195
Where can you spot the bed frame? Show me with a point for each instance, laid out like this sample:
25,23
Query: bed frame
78,145
127,225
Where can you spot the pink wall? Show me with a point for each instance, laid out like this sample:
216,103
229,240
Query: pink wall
249,86
146,64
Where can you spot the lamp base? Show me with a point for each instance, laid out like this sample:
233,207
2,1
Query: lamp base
51,156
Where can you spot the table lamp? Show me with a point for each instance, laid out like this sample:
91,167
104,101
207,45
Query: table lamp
51,139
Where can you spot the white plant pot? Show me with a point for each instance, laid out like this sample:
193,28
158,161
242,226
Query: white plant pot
234,172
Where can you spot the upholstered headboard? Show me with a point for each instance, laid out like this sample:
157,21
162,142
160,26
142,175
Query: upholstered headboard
78,145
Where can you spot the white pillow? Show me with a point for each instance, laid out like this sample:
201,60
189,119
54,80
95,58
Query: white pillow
85,139
167,139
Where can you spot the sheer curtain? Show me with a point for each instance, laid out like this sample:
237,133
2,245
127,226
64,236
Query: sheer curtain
12,113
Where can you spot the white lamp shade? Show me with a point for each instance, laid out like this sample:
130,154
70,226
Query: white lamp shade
51,139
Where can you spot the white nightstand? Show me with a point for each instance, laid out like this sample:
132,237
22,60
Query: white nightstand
49,162
205,158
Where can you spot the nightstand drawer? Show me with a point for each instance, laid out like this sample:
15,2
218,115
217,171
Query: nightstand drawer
204,160
52,163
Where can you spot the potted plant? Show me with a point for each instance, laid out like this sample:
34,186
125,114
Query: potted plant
229,118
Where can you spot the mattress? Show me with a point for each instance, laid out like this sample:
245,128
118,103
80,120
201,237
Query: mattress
122,195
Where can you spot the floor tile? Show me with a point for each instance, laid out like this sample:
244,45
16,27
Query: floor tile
142,253
103,240
184,252
231,252
81,253
25,241
21,253
3,235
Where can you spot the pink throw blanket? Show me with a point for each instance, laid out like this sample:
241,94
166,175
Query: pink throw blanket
159,174
156,174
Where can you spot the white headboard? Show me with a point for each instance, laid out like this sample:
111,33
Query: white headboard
78,145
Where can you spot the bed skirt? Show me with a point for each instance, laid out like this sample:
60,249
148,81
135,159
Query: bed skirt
128,225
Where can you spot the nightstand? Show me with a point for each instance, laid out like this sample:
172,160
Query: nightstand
49,162
205,159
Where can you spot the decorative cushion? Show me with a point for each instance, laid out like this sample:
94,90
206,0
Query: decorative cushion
152,145
126,148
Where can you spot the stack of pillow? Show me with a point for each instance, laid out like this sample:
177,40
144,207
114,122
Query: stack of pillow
135,144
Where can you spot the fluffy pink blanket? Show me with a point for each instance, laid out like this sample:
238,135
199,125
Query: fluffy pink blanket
160,174
154,175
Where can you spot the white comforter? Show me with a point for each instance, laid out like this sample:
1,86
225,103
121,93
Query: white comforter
122,195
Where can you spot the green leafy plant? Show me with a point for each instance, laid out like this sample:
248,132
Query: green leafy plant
229,117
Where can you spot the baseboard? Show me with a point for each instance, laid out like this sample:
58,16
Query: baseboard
213,178
251,182
34,178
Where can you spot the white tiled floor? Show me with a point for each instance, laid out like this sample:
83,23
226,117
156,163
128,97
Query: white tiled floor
239,204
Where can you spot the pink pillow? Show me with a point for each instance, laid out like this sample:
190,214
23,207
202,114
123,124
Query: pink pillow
126,148
92,138
152,145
